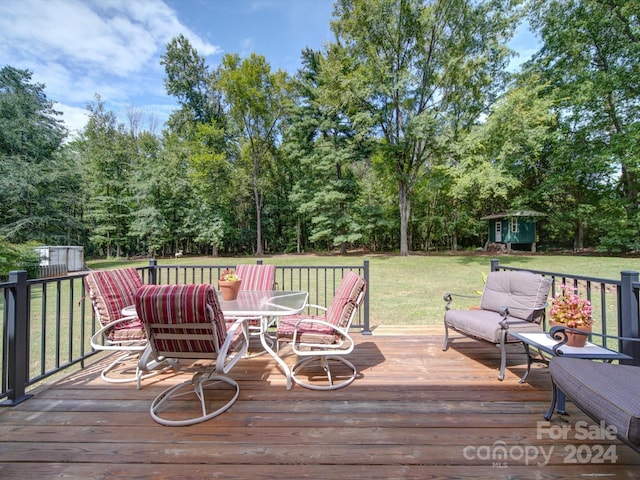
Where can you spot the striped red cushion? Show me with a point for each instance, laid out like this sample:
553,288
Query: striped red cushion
345,299
256,277
178,320
112,290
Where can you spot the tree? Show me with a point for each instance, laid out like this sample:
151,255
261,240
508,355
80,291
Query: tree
188,78
591,60
415,74
323,145
109,153
255,101
38,181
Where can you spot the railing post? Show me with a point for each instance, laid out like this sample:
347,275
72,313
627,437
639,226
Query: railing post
628,316
494,264
153,265
366,330
17,344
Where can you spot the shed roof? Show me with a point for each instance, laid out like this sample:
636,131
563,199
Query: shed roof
515,213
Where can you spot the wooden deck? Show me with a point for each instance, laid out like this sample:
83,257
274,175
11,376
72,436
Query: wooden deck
416,412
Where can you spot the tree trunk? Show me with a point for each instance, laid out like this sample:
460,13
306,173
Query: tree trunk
258,200
578,243
405,211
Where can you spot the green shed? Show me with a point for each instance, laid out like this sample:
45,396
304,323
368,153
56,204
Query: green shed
513,228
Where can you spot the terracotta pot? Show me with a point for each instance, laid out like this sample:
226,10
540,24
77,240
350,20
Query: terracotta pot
229,289
575,339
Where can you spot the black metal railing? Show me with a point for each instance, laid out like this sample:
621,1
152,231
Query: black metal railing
47,324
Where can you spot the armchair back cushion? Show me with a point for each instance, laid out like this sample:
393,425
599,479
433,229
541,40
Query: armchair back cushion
182,318
256,277
524,293
347,298
110,291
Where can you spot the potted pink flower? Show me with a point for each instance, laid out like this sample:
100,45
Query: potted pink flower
568,308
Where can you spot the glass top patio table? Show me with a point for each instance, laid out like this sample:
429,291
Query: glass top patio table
269,303
254,303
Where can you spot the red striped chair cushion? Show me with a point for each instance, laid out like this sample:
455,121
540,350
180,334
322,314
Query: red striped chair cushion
256,277
110,291
339,314
177,318
345,299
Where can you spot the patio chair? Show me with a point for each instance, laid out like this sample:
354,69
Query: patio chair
512,301
185,322
321,340
110,291
256,277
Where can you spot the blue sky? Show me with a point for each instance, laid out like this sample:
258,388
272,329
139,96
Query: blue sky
79,48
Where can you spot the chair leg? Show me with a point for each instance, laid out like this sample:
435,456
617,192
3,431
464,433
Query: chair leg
446,337
323,362
198,384
503,355
138,376
554,399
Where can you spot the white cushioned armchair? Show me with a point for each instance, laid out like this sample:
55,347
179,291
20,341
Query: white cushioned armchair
511,301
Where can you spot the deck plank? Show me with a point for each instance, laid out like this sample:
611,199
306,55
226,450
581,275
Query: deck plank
415,412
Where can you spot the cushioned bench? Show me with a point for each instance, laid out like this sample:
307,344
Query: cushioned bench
512,301
604,391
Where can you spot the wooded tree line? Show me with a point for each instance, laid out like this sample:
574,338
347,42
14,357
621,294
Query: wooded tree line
399,135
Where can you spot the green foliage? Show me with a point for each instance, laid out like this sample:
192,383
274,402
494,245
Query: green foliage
38,181
18,257
399,135
590,61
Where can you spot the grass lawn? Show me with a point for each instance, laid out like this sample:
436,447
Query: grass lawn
408,290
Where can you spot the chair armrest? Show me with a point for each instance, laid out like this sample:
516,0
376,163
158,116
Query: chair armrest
133,345
448,297
504,313
341,331
559,332
312,306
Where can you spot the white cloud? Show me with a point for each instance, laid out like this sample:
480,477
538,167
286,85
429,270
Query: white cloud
74,118
78,48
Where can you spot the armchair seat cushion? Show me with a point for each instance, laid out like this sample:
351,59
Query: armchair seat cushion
127,331
604,391
485,324
307,332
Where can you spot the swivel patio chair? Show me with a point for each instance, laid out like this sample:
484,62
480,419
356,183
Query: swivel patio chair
322,340
512,301
185,322
110,291
256,277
